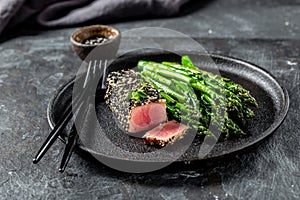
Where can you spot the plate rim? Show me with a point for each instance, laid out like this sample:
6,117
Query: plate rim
270,130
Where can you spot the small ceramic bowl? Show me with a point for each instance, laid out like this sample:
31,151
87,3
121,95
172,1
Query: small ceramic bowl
80,36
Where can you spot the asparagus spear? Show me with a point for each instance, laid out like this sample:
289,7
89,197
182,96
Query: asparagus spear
216,119
165,75
175,108
213,80
236,95
247,98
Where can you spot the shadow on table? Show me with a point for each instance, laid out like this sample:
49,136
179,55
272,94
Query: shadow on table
193,6
18,31
197,173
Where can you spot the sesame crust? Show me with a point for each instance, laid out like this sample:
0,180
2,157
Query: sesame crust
117,96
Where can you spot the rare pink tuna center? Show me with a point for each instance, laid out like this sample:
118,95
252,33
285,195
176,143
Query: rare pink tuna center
147,117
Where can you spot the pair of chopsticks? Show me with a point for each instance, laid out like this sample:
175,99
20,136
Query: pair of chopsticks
79,104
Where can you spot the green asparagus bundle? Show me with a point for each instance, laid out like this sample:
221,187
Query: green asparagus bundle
200,98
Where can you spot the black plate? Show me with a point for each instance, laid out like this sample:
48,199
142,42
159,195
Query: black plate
272,99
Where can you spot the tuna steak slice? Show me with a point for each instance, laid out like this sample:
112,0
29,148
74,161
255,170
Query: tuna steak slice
148,116
134,115
164,133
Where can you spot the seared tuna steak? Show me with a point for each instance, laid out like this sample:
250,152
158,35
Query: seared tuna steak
164,133
136,104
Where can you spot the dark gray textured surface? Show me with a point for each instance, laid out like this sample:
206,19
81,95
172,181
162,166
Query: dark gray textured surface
234,19
33,67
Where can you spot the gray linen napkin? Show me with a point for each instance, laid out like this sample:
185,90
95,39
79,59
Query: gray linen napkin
57,13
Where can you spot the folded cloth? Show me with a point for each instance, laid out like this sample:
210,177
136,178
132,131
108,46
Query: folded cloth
57,13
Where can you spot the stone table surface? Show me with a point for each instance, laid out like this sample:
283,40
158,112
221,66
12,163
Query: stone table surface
34,64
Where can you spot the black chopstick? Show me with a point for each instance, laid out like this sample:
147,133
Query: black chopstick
58,128
62,123
73,135
70,145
